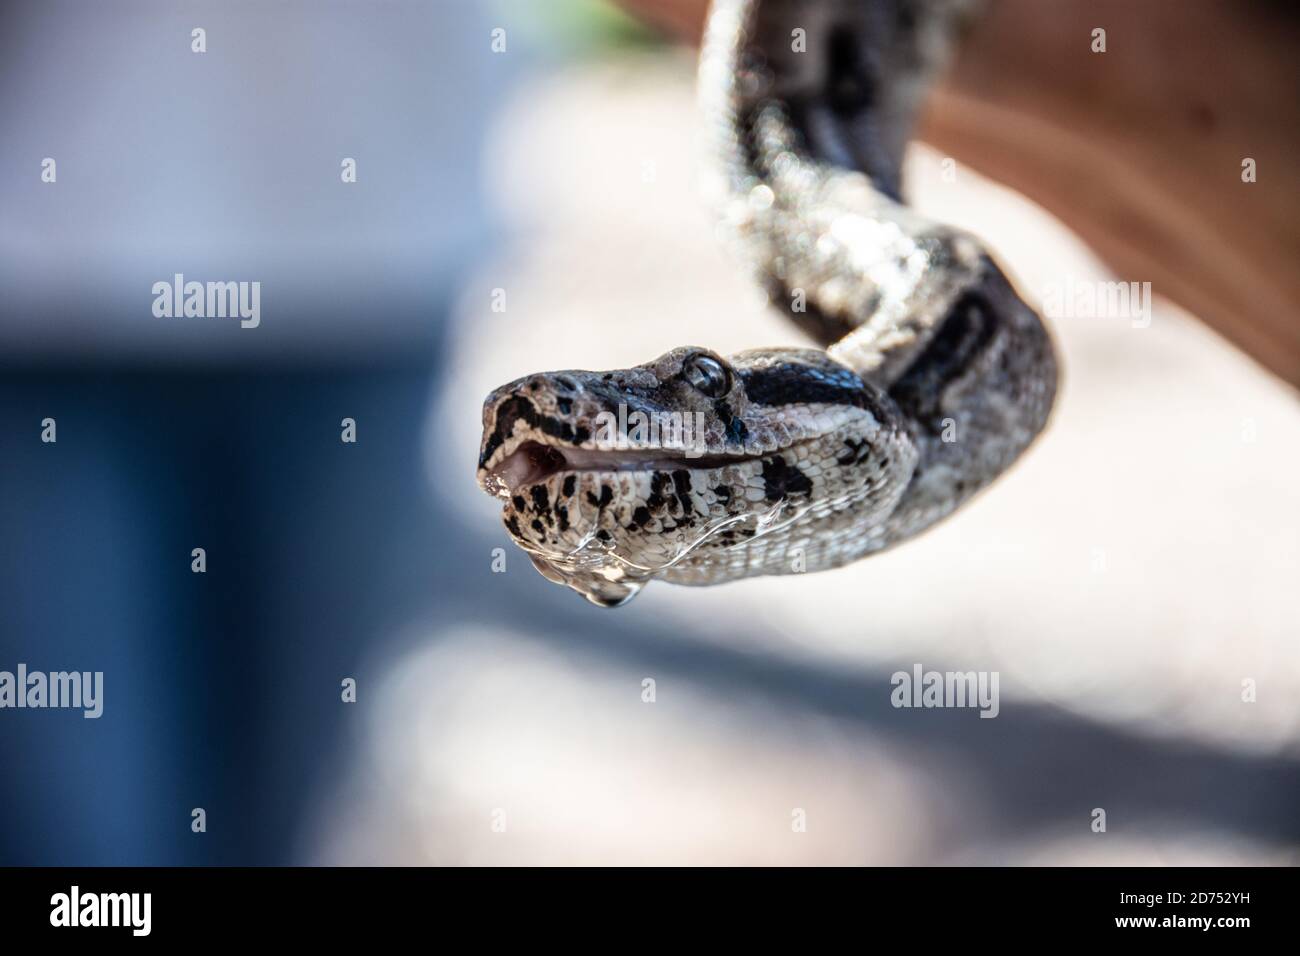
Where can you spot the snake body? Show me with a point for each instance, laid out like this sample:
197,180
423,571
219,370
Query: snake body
932,378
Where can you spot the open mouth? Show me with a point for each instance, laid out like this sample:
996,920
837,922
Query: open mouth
534,461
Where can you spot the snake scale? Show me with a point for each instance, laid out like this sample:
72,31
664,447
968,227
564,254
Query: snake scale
933,374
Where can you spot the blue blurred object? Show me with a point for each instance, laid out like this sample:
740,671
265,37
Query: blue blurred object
221,689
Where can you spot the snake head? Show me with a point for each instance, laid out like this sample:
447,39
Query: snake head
694,467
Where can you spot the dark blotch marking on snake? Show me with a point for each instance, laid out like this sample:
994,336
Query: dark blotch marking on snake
969,330
682,483
519,408
793,384
606,496
857,451
660,483
570,483
790,383
540,502
781,479
734,428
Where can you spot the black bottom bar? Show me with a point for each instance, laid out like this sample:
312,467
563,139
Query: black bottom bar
331,905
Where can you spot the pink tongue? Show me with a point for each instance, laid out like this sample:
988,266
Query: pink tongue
528,465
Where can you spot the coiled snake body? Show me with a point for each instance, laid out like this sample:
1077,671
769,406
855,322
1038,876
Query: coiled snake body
699,469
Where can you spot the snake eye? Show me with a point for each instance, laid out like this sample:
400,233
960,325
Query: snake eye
707,375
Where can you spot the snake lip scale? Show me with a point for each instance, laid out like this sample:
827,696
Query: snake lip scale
932,378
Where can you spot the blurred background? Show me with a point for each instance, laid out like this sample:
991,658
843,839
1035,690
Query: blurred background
1124,580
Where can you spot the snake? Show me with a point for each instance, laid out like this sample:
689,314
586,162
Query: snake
929,377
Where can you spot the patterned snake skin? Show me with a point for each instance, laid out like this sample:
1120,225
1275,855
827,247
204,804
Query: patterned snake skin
698,468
